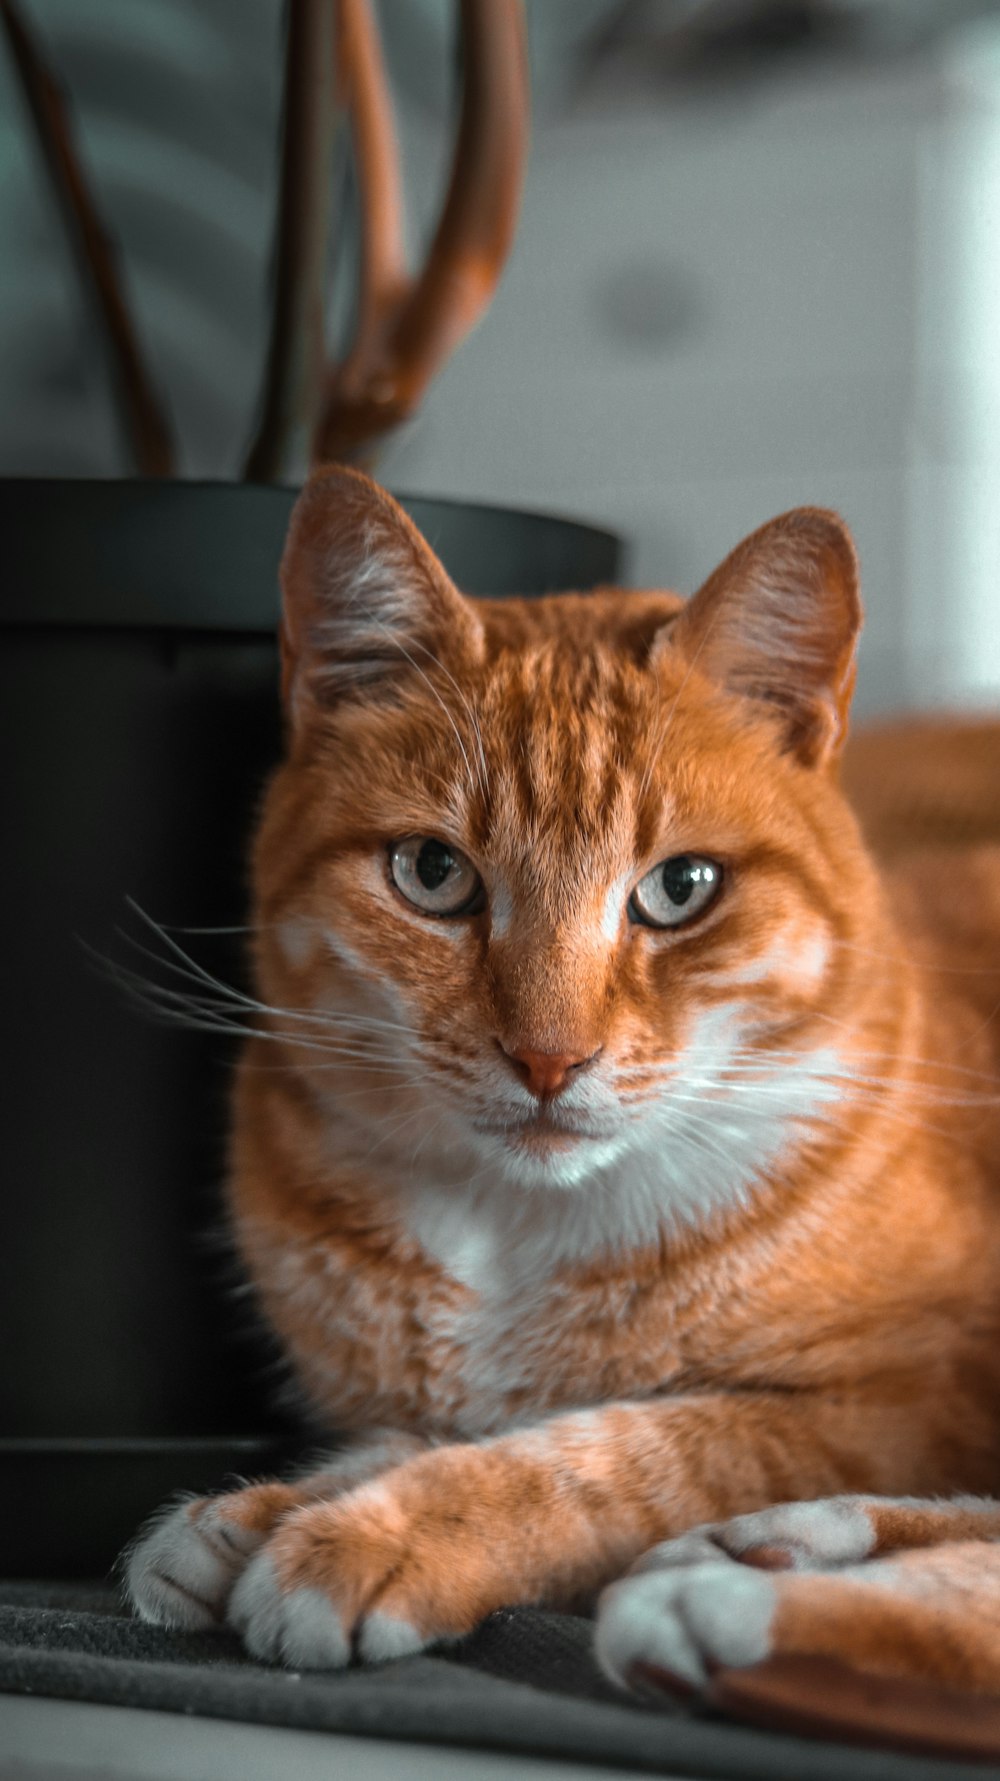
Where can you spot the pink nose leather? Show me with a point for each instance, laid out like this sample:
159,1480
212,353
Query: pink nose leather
546,1073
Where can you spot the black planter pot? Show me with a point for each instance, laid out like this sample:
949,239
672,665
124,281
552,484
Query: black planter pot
139,708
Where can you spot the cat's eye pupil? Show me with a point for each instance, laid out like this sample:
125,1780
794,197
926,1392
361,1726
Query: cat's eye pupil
681,876
433,864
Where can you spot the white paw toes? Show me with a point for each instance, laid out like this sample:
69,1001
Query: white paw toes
818,1536
303,1628
685,1622
383,1636
803,1536
298,1627
181,1572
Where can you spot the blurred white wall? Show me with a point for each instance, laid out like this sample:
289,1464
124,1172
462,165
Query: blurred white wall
724,307
720,304
953,631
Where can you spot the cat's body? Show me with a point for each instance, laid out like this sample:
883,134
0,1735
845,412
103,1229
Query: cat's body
616,1196
413,1295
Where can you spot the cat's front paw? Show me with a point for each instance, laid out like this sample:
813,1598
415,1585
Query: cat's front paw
315,1626
398,1564
674,1626
701,1600
181,1570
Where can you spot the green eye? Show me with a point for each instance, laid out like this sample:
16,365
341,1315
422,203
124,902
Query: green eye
675,891
434,876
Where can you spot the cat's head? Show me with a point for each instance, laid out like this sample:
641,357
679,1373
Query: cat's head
560,882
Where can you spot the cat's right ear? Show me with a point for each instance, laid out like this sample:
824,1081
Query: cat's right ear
778,624
364,598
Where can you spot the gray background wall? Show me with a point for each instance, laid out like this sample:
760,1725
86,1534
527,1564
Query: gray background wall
727,296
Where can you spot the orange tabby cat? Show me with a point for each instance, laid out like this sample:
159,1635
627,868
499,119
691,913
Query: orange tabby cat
618,1151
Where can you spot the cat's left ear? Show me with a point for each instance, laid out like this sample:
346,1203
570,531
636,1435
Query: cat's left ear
365,601
778,622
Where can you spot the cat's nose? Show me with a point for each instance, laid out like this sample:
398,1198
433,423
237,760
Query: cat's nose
547,1073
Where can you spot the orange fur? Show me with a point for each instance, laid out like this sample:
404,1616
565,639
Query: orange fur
619,1229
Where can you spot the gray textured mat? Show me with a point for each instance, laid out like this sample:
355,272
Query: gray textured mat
524,1682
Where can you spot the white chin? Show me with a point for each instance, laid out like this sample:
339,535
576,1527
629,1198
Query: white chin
552,1162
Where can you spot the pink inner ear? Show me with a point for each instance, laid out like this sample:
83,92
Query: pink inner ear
778,622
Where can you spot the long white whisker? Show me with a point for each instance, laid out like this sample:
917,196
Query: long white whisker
762,1057
698,1124
830,1114
228,995
757,1083
179,1008
935,1065
893,958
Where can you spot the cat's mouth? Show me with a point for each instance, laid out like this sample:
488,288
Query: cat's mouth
540,1134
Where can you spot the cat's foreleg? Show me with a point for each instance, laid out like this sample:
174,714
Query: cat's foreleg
181,1568
549,1514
